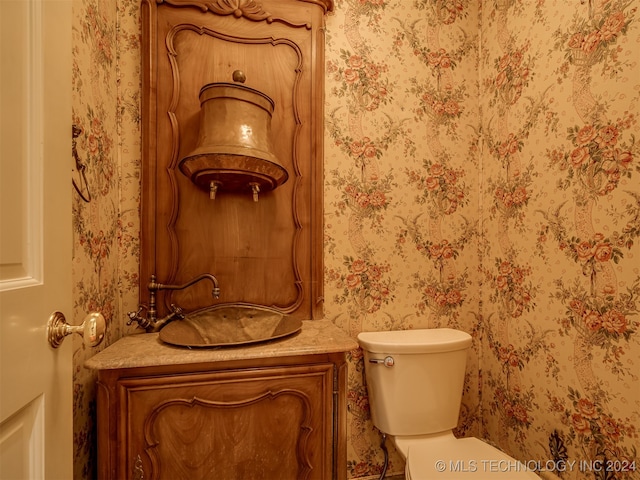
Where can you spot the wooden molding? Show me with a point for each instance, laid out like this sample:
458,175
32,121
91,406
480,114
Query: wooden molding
166,446
266,253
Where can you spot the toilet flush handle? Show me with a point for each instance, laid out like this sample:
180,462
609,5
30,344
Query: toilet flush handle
387,361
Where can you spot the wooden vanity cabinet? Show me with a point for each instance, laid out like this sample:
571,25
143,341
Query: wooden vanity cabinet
272,419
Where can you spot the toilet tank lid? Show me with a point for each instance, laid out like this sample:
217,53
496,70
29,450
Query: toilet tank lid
415,341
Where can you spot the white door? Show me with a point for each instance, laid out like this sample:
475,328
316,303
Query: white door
35,238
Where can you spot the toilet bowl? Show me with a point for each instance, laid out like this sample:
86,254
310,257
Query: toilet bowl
446,457
414,380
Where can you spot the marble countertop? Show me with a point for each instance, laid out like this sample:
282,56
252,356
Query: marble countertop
147,350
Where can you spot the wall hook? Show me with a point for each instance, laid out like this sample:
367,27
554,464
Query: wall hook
83,189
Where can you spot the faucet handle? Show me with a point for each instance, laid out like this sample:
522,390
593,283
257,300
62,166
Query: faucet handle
177,311
135,316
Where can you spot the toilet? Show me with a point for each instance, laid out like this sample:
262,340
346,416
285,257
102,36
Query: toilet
415,380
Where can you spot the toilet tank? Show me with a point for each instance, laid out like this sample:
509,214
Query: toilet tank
421,392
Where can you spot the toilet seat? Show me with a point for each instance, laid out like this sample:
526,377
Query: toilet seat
462,458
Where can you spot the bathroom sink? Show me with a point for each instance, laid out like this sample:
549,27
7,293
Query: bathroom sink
229,325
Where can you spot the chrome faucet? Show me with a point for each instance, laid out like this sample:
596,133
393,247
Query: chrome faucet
151,323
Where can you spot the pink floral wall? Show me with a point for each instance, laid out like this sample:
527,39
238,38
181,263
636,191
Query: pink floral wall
481,173
402,189
560,261
106,87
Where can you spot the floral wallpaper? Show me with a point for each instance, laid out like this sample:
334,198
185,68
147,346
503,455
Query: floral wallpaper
106,97
561,283
481,173
402,191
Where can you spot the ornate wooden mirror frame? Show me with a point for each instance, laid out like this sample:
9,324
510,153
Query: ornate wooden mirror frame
267,252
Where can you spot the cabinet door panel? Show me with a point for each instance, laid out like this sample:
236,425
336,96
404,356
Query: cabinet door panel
264,424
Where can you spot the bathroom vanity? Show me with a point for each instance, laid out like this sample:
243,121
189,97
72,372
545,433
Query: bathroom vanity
221,202
263,411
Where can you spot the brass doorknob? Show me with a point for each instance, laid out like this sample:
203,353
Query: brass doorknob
92,329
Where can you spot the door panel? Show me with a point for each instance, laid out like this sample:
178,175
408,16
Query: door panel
35,243
21,440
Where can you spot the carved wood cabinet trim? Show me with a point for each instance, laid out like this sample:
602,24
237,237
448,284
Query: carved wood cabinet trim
266,253
305,427
244,419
